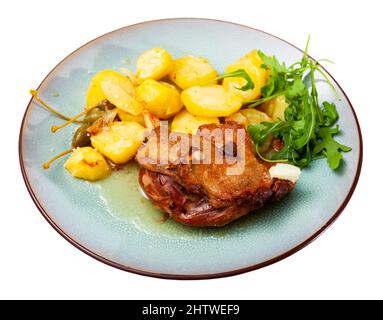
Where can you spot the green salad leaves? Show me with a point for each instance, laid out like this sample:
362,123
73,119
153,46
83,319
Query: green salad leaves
309,127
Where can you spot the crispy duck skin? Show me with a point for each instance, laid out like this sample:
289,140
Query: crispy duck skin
204,194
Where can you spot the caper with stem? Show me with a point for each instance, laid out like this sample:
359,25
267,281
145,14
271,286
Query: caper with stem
49,108
103,106
81,137
93,115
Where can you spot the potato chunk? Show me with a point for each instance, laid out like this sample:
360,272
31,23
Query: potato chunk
251,63
211,101
161,98
191,71
86,163
256,60
120,141
249,116
233,83
275,108
96,94
155,63
187,123
122,95
124,116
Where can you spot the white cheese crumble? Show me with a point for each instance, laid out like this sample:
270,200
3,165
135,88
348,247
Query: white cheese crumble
285,171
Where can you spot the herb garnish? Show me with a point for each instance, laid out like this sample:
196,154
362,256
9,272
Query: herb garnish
239,73
309,128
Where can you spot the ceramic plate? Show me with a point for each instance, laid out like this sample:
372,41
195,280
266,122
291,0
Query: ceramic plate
113,223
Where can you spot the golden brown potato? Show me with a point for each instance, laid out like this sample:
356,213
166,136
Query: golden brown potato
251,63
155,63
256,60
124,116
161,99
249,116
122,96
120,141
96,94
185,122
211,101
86,163
233,83
192,71
275,108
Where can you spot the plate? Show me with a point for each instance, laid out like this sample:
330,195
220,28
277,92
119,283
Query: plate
112,222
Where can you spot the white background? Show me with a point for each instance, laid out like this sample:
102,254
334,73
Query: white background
345,262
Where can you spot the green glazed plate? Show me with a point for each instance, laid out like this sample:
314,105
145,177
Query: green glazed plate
112,222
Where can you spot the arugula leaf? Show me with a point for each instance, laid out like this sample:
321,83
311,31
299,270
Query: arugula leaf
239,73
329,147
278,75
296,89
278,86
256,131
286,152
308,130
259,133
330,114
272,63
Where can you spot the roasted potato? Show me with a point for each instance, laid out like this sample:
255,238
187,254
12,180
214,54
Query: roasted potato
96,94
191,71
275,108
86,163
256,60
249,116
120,141
233,83
124,116
155,63
185,122
161,99
252,116
129,74
122,96
251,63
211,101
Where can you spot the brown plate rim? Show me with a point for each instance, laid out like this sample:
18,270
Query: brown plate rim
192,276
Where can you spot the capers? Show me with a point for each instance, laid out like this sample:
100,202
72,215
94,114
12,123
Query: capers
105,105
81,137
94,115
